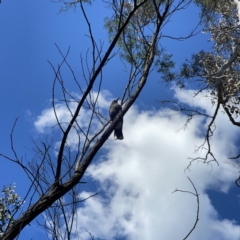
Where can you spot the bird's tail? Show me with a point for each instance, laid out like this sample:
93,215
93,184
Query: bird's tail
118,134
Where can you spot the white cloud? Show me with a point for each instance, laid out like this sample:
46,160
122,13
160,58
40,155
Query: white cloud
48,120
139,174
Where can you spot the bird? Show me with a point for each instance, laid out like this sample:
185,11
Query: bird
114,109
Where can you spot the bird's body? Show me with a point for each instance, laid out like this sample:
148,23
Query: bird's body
114,109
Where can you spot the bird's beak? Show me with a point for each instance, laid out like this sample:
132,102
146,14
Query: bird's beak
117,99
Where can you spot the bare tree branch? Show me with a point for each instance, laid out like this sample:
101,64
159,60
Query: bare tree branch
195,193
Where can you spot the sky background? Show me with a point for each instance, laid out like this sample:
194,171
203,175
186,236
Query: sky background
138,175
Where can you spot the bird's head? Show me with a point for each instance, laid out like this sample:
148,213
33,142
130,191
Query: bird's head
115,101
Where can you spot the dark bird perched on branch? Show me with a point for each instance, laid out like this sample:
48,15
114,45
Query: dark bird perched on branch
114,109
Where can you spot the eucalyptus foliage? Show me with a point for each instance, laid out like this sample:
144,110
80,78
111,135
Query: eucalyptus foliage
9,205
218,70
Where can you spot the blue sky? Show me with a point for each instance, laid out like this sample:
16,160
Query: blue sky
29,31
